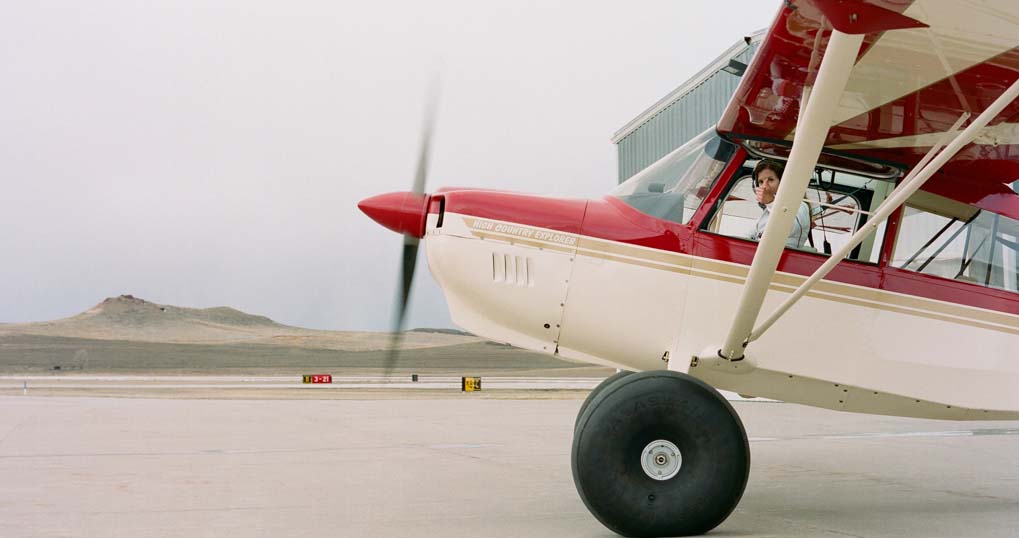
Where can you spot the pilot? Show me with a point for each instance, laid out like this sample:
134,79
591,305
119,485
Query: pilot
767,175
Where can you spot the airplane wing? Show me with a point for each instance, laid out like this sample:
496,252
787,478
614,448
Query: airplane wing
928,85
907,87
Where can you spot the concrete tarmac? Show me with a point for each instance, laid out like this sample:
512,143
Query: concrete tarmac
136,384
462,465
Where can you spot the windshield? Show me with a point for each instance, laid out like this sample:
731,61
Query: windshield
673,187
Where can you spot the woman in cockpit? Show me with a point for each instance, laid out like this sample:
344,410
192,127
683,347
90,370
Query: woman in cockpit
767,176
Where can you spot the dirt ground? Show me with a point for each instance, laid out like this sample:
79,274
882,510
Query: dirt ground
36,354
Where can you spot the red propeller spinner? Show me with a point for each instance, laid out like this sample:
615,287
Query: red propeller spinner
402,212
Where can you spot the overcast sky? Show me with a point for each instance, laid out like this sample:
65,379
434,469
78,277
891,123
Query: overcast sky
206,155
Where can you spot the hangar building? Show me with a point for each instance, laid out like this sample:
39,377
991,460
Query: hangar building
685,112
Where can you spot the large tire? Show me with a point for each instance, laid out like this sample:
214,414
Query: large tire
594,393
637,422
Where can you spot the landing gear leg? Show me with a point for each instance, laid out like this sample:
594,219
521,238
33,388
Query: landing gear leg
660,453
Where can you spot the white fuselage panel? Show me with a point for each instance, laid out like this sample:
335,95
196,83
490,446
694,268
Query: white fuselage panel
609,303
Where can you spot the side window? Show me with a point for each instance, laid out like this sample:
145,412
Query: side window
835,215
839,203
945,238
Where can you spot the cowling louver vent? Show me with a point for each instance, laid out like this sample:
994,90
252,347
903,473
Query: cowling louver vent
515,270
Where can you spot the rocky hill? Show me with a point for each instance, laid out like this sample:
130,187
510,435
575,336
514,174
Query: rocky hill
133,319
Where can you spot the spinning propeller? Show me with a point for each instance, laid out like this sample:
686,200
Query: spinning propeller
405,213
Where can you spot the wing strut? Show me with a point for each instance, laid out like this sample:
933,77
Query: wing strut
920,174
811,132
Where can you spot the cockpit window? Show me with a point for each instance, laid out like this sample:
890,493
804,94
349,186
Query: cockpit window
674,187
947,238
836,204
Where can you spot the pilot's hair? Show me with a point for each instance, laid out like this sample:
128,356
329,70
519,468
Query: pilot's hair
768,164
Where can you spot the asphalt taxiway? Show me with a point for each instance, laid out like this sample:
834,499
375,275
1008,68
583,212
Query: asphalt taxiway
462,466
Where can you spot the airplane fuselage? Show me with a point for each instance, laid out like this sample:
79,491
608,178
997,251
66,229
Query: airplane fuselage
600,282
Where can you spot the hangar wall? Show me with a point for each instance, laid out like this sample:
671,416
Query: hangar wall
682,114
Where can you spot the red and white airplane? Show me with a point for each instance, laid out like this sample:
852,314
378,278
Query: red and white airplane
898,124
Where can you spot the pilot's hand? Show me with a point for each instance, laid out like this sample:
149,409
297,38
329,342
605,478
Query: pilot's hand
759,194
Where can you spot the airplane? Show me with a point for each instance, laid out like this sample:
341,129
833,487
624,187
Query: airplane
897,124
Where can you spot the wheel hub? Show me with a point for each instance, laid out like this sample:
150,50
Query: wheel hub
661,459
